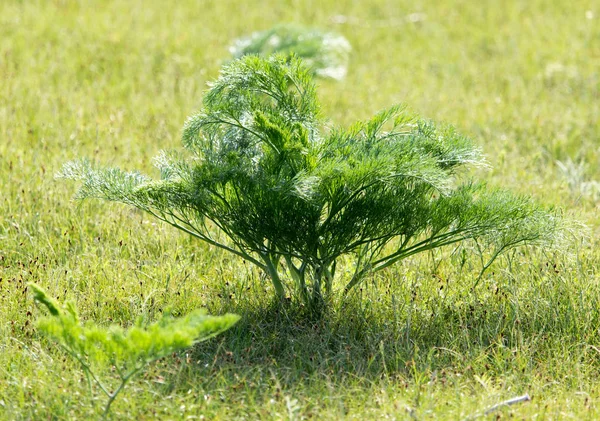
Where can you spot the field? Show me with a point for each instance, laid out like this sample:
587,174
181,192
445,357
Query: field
114,81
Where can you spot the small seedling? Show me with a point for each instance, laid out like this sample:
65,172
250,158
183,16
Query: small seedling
99,350
326,53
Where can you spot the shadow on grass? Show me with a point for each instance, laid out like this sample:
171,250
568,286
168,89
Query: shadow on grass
497,331
361,339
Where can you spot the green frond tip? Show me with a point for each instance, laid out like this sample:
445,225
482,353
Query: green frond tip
100,350
41,297
278,88
325,52
130,346
107,183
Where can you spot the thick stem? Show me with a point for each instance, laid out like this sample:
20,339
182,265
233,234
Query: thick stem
298,275
271,270
329,273
316,304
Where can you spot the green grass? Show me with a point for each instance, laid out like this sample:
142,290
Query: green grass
114,82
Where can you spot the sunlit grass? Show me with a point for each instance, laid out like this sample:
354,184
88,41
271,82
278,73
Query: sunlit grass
115,83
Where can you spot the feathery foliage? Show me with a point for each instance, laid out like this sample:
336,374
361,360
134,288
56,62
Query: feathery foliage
293,199
326,53
128,351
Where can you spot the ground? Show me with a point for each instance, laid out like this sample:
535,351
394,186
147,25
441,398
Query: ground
114,81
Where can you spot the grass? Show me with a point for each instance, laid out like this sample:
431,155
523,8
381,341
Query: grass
115,83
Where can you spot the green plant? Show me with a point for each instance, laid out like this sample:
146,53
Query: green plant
127,352
326,53
293,200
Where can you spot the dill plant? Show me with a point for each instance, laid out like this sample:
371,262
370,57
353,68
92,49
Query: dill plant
326,53
126,352
261,178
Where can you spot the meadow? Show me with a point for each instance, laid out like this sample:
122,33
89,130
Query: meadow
114,81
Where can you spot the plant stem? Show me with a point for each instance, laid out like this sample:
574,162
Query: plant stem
113,396
274,275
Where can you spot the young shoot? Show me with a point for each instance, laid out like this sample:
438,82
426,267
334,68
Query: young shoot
326,53
260,178
99,350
